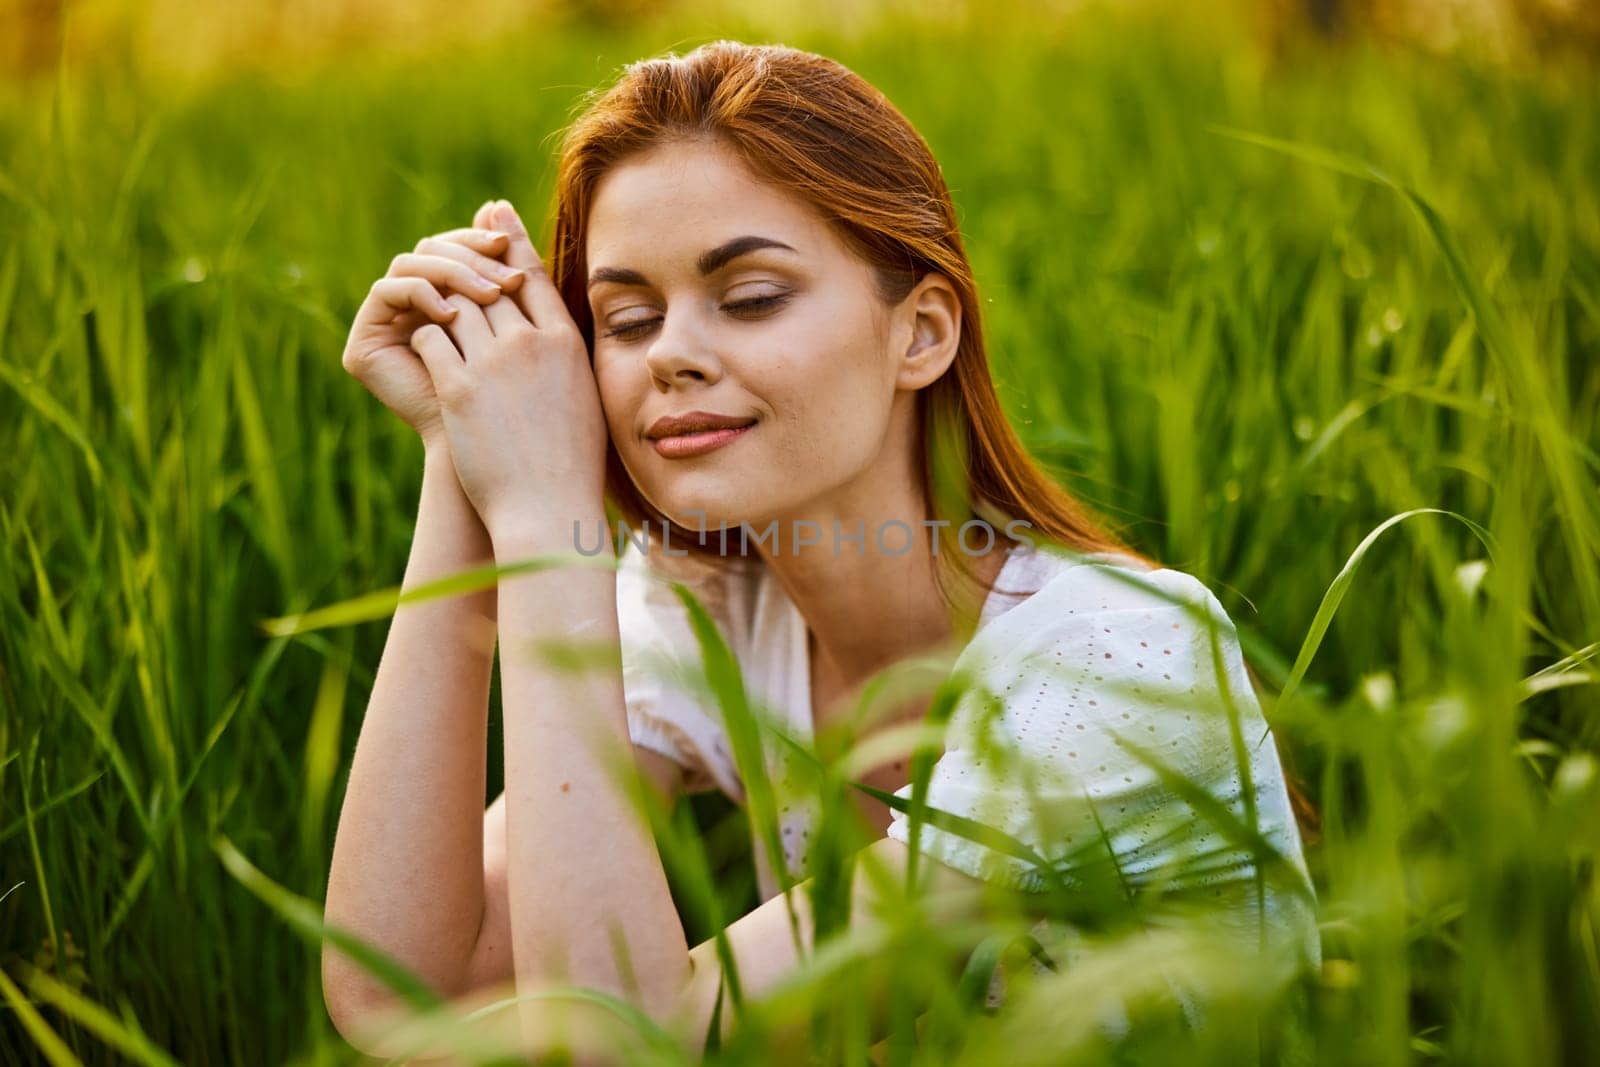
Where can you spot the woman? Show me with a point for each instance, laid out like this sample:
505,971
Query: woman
758,316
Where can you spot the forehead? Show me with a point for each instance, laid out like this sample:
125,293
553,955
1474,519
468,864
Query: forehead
676,200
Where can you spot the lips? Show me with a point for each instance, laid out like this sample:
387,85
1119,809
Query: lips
695,422
687,445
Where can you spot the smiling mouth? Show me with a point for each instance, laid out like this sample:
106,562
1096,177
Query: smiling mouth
687,445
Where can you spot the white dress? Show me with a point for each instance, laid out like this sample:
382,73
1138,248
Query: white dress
1107,679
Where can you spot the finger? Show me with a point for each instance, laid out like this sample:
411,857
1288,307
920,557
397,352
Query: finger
489,241
392,296
537,297
504,315
470,331
508,278
484,217
439,355
445,273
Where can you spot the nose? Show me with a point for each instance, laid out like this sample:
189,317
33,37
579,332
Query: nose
678,354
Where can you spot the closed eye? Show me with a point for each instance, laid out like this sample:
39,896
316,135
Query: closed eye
631,331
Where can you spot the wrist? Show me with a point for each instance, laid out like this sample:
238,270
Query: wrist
435,447
554,525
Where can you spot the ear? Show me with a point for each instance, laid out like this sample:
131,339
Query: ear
928,324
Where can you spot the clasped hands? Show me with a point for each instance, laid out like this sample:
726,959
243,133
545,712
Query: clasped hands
468,341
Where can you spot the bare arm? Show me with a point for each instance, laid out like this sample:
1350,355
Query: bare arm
396,831
407,869
584,879
491,958
763,947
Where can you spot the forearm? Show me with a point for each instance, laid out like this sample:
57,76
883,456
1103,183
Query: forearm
407,869
580,860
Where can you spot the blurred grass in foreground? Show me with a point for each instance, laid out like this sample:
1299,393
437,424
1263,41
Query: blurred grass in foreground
1248,357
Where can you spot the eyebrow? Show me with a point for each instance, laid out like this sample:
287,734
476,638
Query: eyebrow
710,261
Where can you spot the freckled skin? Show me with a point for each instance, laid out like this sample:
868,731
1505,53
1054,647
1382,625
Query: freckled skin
815,371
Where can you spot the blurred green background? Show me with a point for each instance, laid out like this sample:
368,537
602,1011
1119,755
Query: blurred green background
1250,354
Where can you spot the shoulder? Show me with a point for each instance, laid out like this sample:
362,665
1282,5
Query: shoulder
1109,714
1108,671
1113,582
1109,612
1110,706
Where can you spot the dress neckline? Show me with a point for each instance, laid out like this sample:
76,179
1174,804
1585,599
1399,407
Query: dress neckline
1000,598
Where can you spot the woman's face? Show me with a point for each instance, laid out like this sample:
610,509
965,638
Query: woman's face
812,365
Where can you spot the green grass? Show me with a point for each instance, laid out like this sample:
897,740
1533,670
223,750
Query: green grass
1251,354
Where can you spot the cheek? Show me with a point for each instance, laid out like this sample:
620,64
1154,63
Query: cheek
834,351
832,406
618,399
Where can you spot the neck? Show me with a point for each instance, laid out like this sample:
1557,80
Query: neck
866,611
871,604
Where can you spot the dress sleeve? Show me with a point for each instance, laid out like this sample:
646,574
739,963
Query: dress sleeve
1119,724
667,712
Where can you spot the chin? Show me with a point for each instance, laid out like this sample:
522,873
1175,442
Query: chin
697,510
